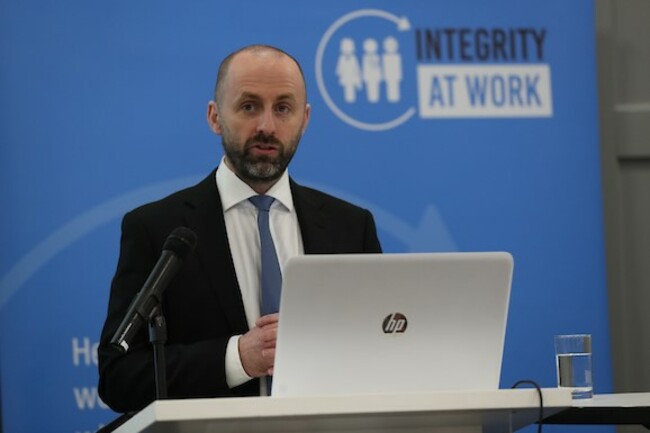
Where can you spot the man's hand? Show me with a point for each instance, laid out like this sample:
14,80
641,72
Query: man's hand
257,347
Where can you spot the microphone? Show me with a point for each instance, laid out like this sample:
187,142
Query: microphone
178,245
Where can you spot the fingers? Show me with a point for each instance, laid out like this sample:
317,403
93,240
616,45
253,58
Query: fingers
257,346
269,354
268,325
253,353
269,337
268,320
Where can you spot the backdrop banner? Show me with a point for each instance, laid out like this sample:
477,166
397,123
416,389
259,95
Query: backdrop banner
463,126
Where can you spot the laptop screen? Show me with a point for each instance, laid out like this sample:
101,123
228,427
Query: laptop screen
377,323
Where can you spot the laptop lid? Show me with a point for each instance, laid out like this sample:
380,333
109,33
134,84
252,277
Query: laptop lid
374,323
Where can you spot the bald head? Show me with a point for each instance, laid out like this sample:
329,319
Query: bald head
255,50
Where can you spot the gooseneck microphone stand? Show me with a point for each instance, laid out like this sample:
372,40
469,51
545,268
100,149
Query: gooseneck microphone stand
147,305
158,339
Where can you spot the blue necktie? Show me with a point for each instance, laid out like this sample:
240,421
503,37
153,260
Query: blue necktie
271,276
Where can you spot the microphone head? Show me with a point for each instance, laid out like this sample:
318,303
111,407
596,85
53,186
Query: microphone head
181,242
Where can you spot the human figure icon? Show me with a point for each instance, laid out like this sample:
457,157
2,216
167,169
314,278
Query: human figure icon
372,69
392,66
348,70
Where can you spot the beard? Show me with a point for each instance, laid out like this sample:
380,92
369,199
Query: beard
258,168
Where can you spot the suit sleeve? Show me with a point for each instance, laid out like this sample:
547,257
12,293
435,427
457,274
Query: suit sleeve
195,367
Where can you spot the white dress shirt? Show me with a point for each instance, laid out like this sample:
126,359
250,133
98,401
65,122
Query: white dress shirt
244,240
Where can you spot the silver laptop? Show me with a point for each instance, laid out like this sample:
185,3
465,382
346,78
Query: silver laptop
392,323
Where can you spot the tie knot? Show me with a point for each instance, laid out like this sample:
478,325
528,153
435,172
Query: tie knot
262,202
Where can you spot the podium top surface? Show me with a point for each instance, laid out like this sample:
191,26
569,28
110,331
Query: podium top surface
375,412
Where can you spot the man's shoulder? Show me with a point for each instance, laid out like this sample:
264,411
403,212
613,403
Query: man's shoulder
178,201
323,199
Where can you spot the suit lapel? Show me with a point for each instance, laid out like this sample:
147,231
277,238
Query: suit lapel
312,219
205,216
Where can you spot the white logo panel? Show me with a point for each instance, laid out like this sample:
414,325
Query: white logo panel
484,91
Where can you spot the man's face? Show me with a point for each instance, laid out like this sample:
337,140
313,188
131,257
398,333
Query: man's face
261,116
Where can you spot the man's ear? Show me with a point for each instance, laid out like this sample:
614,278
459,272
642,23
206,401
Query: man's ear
214,118
306,120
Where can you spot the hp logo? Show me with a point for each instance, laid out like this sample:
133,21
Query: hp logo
394,323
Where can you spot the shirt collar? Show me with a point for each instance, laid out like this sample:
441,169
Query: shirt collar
233,190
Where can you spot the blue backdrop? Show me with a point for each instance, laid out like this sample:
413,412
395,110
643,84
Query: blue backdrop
463,126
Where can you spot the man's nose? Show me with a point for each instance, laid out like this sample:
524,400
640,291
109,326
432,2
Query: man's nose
266,123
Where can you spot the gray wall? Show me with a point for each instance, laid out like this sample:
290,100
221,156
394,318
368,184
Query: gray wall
623,42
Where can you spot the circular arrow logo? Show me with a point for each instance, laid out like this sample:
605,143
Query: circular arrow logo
370,72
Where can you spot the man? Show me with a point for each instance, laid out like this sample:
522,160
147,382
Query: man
218,345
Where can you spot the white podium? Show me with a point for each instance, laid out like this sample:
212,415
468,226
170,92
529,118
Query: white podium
441,412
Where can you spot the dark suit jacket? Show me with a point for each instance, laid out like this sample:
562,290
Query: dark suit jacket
203,304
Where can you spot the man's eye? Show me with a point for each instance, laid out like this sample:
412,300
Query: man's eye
283,108
247,107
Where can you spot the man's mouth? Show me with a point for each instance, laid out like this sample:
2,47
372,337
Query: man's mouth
264,149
